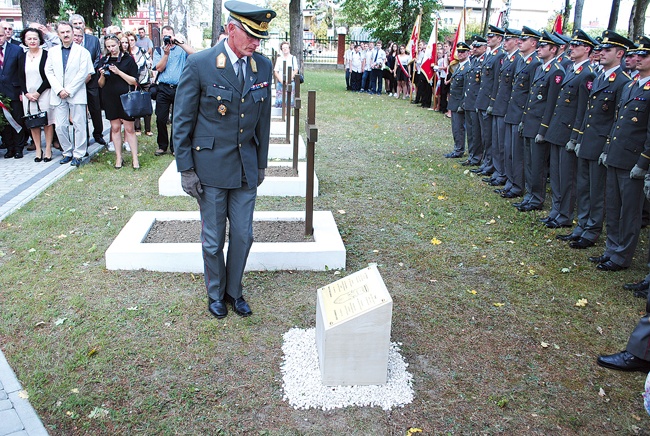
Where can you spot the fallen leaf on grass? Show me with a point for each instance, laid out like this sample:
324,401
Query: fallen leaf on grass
132,308
636,417
92,352
601,392
2,254
98,413
62,236
492,221
375,251
71,414
565,270
436,241
60,321
93,248
531,272
113,208
441,197
582,302
341,211
599,329
498,304
544,344
74,390
23,394
473,292
413,430
466,172
556,346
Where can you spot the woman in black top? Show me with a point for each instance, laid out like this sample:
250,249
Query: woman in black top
118,72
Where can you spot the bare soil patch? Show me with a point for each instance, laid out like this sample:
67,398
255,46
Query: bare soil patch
280,172
189,231
278,140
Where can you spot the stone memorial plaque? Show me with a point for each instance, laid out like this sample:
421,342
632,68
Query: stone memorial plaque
353,322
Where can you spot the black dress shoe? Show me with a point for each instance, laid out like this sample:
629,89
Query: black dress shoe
240,306
528,207
610,266
18,155
466,163
569,237
643,285
486,173
581,244
9,154
510,194
65,160
598,259
624,361
545,219
454,155
217,308
553,224
500,190
476,170
100,140
486,179
641,294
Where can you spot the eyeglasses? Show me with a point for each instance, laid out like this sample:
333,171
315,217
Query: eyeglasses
112,36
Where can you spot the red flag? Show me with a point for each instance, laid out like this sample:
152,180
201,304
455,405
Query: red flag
431,54
415,37
557,25
460,37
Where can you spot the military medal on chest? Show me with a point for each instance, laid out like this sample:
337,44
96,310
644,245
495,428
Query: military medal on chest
222,109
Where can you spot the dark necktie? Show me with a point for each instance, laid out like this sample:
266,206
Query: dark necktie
2,57
240,73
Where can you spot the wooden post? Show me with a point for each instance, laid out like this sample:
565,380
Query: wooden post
312,136
296,126
284,88
289,88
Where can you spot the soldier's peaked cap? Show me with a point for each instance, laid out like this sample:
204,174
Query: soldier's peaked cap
564,38
613,39
462,47
527,32
581,38
253,19
548,39
494,30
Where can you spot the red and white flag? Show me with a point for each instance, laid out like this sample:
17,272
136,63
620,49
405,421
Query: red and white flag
460,37
415,37
431,54
557,25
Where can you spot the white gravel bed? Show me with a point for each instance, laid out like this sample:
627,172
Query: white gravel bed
302,381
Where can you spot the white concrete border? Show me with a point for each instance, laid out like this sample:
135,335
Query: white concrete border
169,184
285,151
128,252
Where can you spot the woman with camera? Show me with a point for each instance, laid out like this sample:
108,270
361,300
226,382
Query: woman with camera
117,73
143,61
36,89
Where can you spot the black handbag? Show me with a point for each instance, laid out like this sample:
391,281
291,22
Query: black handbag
37,120
136,103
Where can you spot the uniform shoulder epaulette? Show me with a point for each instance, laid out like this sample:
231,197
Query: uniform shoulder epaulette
627,75
631,84
557,65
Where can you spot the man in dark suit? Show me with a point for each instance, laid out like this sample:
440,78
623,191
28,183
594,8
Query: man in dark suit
544,88
627,155
601,112
564,127
91,43
472,115
10,55
455,104
484,100
221,133
514,151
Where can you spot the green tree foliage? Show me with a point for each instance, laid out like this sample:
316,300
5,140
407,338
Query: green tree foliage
390,20
91,10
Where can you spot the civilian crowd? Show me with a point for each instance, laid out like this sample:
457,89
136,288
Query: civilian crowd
53,80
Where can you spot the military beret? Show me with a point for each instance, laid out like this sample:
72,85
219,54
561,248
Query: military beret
254,20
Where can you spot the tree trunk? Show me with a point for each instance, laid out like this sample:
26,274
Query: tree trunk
613,15
107,18
565,15
295,31
216,20
577,17
488,8
637,19
33,11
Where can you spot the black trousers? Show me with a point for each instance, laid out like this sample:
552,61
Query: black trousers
164,101
15,140
95,109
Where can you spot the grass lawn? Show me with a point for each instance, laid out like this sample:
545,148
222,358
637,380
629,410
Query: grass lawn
478,288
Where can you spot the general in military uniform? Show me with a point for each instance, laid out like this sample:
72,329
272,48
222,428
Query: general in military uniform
455,104
221,134
472,115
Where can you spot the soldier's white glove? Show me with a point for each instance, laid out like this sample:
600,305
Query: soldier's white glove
577,149
646,186
191,184
539,139
602,159
638,172
520,128
571,145
489,110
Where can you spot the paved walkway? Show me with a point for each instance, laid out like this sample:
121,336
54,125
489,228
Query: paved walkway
22,180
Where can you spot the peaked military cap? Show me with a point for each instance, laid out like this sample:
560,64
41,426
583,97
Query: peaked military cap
527,32
613,39
495,31
643,46
581,38
564,38
631,51
478,40
462,47
254,20
548,39
512,33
